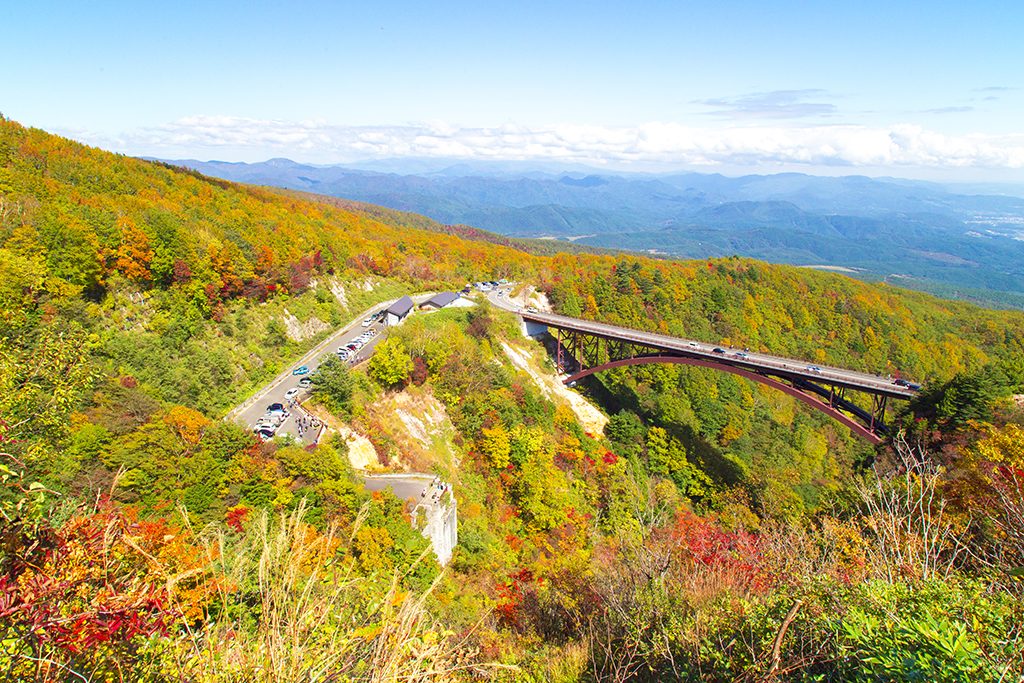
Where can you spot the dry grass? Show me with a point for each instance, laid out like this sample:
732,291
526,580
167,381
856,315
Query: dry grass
292,609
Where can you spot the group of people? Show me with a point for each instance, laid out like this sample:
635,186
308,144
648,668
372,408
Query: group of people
435,490
304,422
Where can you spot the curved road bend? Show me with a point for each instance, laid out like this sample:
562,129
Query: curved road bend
753,361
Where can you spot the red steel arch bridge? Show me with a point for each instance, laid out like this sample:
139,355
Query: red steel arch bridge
585,347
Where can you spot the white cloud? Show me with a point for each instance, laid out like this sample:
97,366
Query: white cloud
775,104
652,145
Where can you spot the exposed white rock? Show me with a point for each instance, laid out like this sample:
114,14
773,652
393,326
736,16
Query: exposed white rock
298,330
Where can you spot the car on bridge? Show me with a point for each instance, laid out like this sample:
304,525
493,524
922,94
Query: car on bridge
718,349
814,368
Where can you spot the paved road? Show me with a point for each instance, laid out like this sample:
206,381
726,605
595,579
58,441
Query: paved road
755,362
256,406
276,390
405,486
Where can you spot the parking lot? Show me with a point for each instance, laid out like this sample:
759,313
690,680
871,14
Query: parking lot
278,410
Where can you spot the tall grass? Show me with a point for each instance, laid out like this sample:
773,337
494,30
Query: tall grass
292,607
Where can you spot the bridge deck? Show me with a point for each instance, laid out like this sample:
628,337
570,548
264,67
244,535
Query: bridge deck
754,362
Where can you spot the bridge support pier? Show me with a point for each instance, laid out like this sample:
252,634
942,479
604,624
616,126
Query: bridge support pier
878,405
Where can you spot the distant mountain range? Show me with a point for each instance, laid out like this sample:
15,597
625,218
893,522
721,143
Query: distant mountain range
915,234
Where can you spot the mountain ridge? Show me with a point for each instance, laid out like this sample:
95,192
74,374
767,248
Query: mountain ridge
692,215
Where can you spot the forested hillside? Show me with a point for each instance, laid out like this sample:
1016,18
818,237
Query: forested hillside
921,234
715,531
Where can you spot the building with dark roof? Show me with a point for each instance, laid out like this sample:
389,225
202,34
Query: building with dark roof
397,312
439,301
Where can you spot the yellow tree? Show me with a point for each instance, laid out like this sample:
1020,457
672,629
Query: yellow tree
189,425
998,464
134,255
495,444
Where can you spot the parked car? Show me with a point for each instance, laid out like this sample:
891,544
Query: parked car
367,322
277,409
301,370
292,393
264,434
266,423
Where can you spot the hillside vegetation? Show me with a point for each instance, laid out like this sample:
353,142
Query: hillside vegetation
920,234
715,531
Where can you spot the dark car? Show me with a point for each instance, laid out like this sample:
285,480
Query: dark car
913,387
718,349
901,382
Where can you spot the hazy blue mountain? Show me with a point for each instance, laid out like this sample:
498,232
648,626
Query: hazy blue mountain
915,233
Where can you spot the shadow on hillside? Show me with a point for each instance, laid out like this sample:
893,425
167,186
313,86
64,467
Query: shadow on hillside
706,455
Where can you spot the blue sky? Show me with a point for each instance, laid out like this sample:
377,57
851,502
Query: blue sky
911,89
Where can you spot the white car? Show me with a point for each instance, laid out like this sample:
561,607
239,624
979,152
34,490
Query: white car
292,393
266,425
367,322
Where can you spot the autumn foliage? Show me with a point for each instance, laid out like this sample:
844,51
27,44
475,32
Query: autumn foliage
138,302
